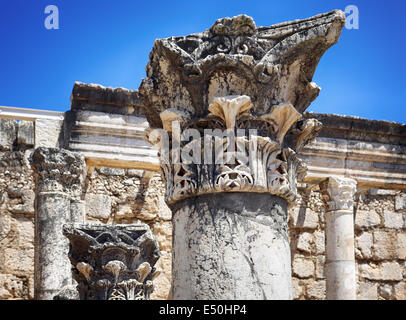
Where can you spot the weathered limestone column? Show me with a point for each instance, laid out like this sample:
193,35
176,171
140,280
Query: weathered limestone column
111,262
59,177
340,252
248,86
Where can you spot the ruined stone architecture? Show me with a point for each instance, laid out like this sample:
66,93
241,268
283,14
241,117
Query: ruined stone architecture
107,200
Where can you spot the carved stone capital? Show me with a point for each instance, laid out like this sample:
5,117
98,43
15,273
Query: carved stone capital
237,77
59,170
113,262
260,160
338,192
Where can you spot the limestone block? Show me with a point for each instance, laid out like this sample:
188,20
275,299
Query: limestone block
47,132
11,286
297,289
319,241
8,134
386,291
366,219
112,171
400,203
400,291
384,245
370,272
31,287
392,271
146,213
364,244
27,205
25,229
401,246
98,206
164,212
320,267
393,220
305,242
25,134
5,225
162,283
303,268
317,290
163,233
19,259
368,291
124,210
136,173
303,218
128,182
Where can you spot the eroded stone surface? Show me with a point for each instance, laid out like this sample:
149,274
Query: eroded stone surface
366,219
368,291
59,180
98,206
236,249
264,63
234,76
112,262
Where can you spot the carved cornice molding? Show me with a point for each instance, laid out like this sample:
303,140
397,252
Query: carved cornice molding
339,192
113,262
59,170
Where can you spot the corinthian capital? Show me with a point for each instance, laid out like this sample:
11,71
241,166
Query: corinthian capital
247,81
59,170
113,262
338,192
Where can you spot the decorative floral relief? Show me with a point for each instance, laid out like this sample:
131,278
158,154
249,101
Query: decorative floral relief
339,193
259,160
113,262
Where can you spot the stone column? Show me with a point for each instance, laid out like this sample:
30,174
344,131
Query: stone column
340,252
59,177
245,88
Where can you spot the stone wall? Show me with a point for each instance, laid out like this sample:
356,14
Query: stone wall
131,196
380,246
120,196
307,241
116,195
16,212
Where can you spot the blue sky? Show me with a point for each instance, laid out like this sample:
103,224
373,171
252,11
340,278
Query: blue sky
108,42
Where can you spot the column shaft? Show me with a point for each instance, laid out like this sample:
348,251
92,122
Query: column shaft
231,246
52,265
340,263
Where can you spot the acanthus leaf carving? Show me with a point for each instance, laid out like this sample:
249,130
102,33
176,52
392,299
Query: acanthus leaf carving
338,193
112,262
271,167
237,76
230,108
